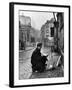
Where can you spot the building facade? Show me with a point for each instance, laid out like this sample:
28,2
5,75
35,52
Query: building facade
28,36
24,31
60,19
47,33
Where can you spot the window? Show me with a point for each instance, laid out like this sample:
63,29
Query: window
52,31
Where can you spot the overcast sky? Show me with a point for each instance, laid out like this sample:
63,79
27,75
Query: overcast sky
37,18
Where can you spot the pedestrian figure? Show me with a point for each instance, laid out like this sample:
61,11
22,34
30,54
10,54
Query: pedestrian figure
38,60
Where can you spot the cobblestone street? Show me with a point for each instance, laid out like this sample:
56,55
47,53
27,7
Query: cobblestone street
25,71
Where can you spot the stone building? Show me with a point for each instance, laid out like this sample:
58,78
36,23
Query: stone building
25,20
28,35
60,19
46,33
24,31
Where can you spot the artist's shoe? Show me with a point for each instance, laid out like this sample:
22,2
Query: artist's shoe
33,70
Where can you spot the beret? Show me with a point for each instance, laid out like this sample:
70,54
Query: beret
39,44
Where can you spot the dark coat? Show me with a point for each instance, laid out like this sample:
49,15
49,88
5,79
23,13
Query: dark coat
38,61
36,57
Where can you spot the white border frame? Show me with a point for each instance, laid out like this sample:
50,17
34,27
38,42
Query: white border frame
18,82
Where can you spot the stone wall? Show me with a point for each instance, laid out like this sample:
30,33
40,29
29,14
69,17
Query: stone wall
60,19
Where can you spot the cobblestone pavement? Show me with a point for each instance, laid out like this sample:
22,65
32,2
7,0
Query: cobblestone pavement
57,72
25,71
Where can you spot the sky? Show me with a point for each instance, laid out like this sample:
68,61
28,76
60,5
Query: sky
37,18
